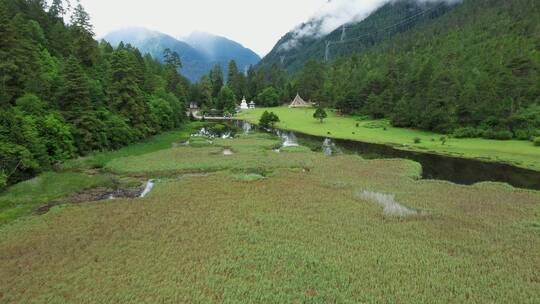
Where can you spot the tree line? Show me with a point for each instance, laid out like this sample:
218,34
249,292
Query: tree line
63,94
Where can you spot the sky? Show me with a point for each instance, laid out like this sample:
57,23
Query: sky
256,24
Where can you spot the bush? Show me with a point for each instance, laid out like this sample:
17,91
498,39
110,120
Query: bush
499,135
417,140
3,180
268,120
320,114
536,141
467,132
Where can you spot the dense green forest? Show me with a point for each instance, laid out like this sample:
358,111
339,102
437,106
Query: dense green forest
392,19
63,94
471,72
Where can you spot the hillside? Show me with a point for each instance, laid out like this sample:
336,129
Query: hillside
293,50
471,72
198,52
222,50
65,95
194,62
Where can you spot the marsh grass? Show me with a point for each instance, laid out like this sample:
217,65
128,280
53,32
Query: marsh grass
302,149
23,198
155,143
298,235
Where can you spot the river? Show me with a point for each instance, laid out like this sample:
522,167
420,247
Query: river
440,167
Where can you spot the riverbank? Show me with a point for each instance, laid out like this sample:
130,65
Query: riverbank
518,153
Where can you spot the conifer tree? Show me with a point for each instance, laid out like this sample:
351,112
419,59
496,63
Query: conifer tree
126,97
216,78
226,100
236,80
57,10
83,32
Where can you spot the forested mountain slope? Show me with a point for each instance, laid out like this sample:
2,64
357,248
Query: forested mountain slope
473,72
194,63
294,49
63,94
199,52
222,50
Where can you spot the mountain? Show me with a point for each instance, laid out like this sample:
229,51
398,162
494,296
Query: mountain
195,64
469,70
222,50
199,52
295,48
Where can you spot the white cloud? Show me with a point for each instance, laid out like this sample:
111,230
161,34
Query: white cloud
334,14
257,24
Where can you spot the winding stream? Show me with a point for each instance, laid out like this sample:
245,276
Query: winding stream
454,169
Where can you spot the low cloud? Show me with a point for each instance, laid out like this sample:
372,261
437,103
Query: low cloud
334,14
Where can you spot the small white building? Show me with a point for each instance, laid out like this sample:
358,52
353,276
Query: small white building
244,105
252,105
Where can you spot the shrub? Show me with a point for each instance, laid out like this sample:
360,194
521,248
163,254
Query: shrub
218,128
3,180
417,140
268,120
536,141
443,140
467,132
526,134
320,114
499,135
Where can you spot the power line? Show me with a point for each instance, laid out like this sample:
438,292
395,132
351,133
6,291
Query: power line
405,21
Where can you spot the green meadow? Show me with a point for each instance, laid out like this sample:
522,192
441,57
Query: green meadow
78,175
258,226
516,152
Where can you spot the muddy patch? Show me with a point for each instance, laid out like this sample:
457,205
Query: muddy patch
94,195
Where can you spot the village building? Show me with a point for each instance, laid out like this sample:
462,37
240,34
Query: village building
252,105
298,102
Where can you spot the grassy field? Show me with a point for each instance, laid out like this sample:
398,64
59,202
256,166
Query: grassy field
267,227
22,199
519,153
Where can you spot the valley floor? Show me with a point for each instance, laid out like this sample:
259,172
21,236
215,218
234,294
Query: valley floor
515,152
233,221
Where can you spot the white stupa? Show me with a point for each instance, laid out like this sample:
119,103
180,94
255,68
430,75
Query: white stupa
244,105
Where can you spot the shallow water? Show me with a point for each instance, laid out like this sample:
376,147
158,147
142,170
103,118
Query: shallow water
388,201
289,139
247,127
454,169
147,188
